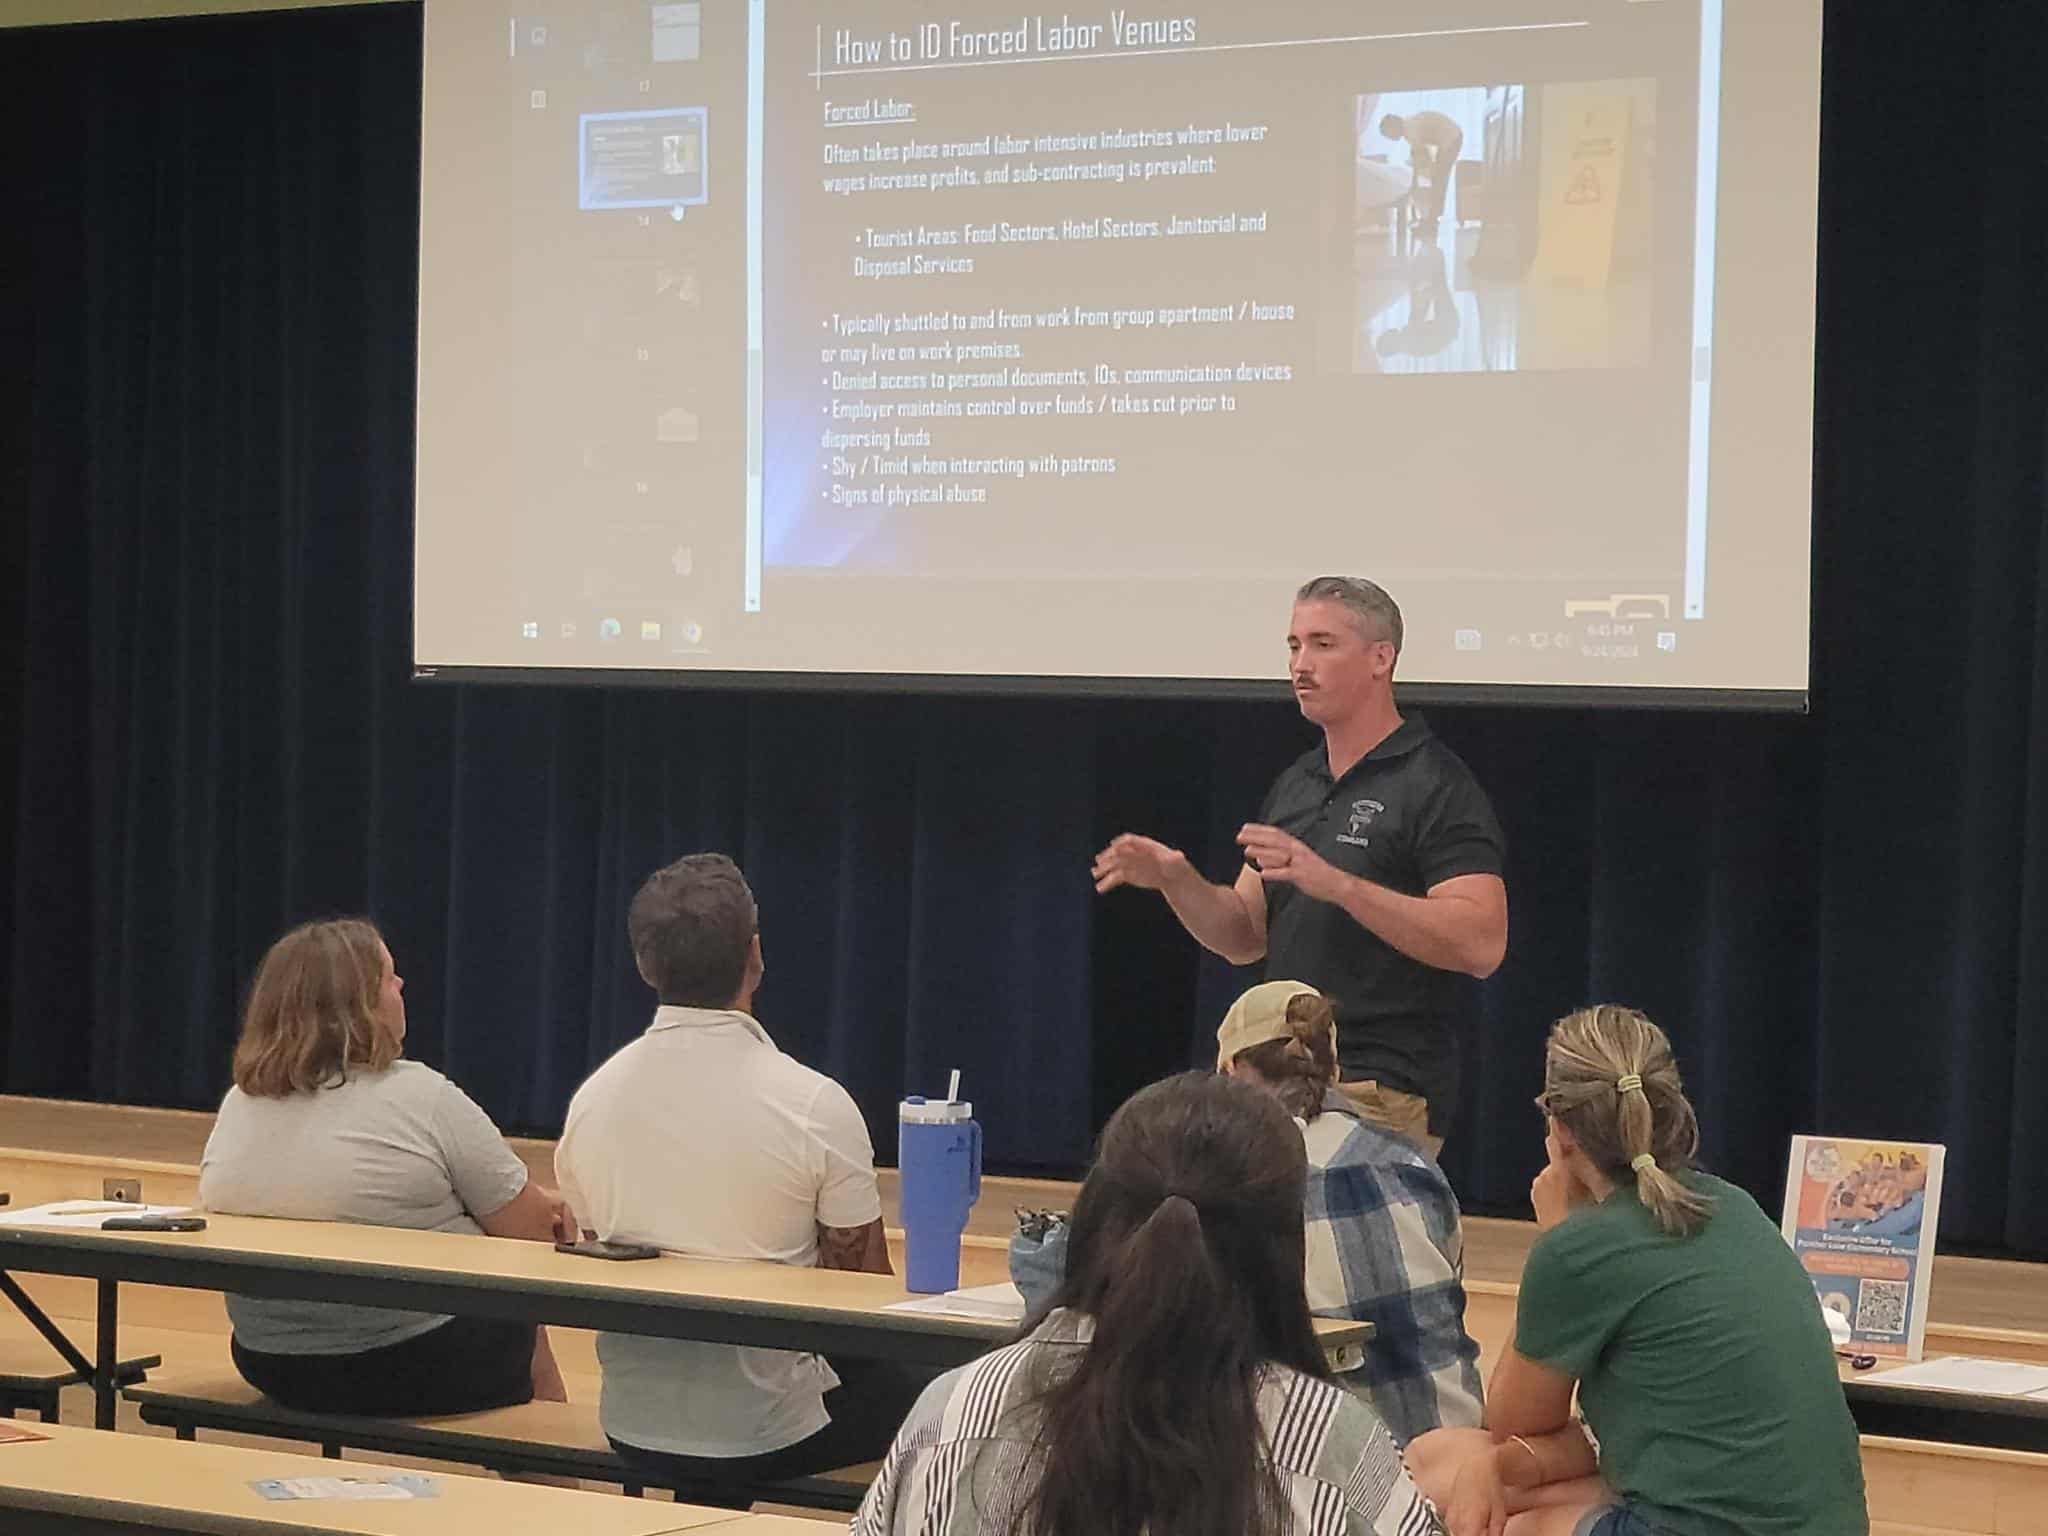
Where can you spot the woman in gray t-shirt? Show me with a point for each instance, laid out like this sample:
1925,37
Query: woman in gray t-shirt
326,1122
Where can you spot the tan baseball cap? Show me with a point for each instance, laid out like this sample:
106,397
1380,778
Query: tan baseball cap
1258,1016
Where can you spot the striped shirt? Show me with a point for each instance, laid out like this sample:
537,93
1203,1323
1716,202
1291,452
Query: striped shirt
962,1459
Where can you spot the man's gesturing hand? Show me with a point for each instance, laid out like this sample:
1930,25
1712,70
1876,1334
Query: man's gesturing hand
1283,859
1143,862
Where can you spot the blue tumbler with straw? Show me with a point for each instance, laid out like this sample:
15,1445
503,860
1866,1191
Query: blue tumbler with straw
938,1155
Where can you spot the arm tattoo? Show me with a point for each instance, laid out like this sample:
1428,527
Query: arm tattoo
855,1248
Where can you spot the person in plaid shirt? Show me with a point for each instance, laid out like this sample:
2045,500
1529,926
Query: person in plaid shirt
1384,1241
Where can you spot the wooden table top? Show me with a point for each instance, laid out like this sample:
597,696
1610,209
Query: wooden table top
1993,1294
1871,1382
330,1260
154,1483
337,1260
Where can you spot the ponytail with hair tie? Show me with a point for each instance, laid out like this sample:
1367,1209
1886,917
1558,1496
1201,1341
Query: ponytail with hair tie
1598,1070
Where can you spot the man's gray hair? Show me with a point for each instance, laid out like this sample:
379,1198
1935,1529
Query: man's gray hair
1378,615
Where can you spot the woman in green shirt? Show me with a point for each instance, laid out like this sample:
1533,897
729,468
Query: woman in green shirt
1668,1301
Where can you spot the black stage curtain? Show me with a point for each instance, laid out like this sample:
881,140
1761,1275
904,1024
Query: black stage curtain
205,449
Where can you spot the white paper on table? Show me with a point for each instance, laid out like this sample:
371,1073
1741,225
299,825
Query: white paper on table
1003,1301
1968,1373
346,1488
82,1213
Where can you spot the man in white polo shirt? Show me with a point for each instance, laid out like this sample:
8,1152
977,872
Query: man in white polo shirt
702,1138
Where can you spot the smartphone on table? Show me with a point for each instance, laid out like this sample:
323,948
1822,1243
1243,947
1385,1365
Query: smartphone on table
154,1224
593,1248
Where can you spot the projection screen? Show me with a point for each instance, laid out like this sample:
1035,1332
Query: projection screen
918,344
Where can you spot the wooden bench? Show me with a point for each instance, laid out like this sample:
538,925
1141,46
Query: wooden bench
32,1376
558,1439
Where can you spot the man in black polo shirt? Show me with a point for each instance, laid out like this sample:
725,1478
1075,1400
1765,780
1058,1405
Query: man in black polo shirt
1373,873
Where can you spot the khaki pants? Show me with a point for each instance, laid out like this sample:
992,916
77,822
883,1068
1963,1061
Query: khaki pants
1405,1114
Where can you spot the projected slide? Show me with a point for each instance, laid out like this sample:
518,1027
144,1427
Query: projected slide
929,339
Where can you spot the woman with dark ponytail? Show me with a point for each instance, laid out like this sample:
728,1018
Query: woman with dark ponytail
1174,1387
1668,1301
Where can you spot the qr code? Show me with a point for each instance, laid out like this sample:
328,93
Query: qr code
1881,1306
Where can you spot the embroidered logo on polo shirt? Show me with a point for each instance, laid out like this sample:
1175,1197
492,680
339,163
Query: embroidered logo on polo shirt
1362,813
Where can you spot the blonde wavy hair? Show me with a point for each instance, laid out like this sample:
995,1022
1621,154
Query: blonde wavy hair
1610,1079
312,1011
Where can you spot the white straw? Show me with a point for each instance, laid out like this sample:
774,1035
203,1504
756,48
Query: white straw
953,1087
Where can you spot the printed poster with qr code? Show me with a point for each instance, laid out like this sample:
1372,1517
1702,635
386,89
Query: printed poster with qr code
1861,1216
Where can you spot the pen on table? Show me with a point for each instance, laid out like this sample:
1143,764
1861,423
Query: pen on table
1856,1362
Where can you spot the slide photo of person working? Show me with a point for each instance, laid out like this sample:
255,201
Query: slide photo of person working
1498,228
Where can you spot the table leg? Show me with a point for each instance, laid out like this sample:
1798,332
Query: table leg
109,1354
11,1289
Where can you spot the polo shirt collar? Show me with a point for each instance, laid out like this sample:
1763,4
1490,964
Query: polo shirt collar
1411,733
667,1016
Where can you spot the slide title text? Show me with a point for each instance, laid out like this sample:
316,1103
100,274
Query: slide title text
956,41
